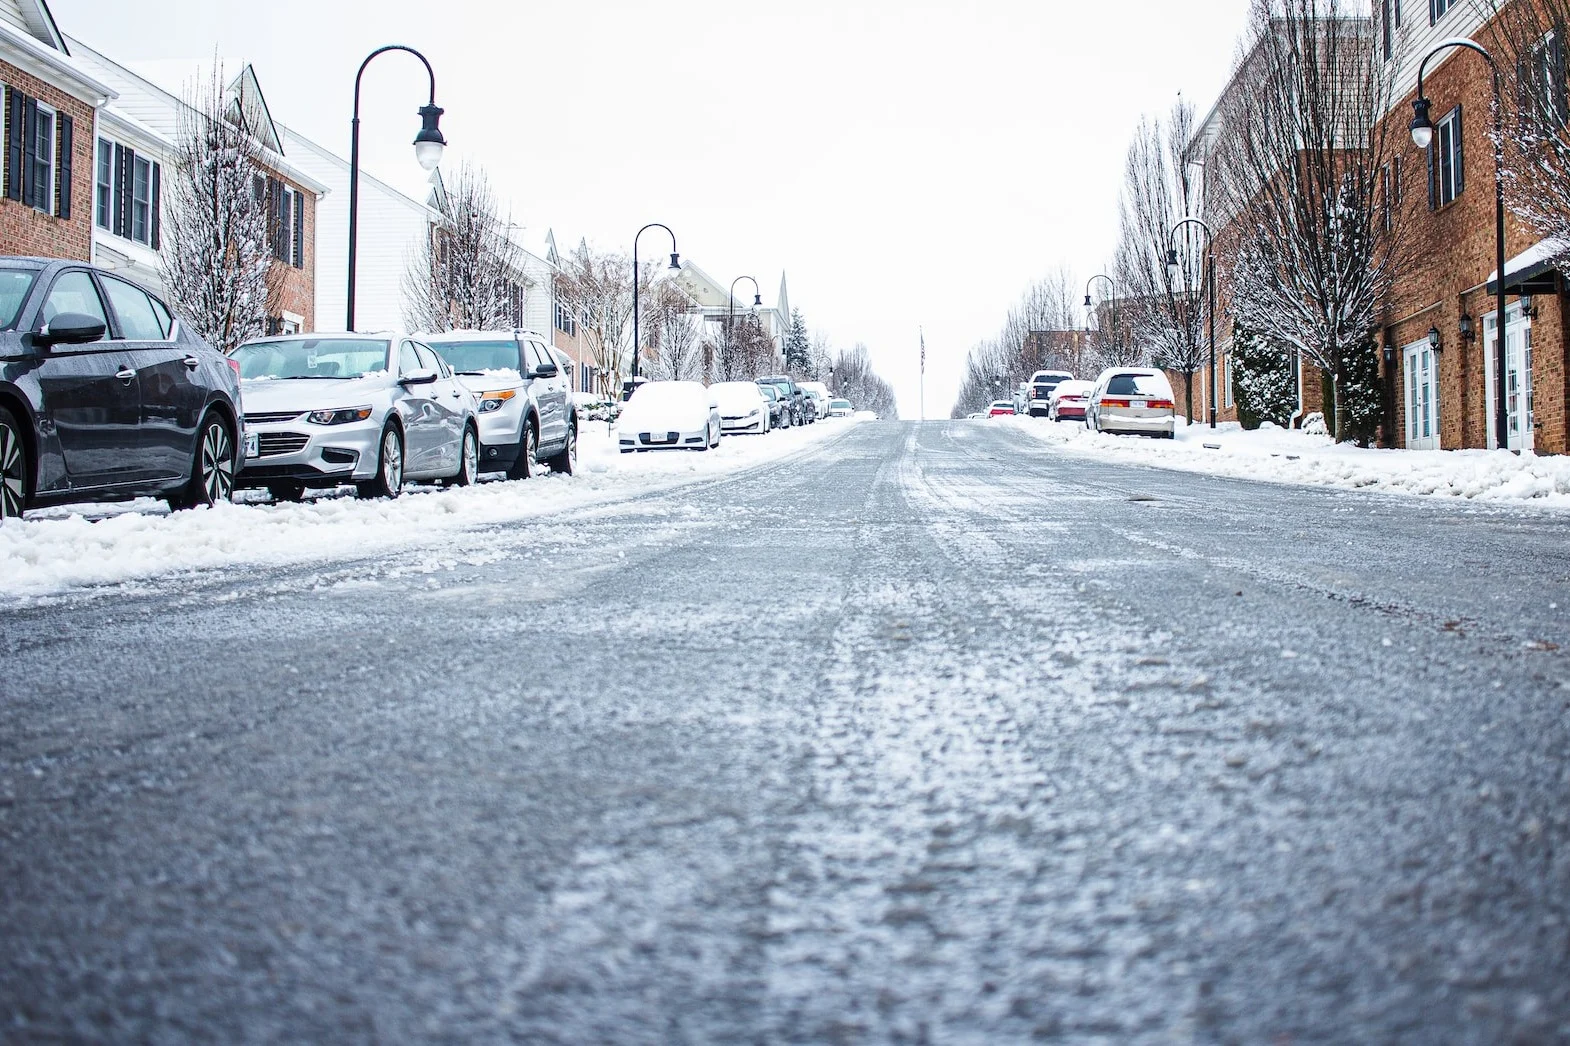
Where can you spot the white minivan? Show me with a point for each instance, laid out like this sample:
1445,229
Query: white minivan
1132,400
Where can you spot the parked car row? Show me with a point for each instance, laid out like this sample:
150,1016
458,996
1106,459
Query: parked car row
1127,400
688,415
106,395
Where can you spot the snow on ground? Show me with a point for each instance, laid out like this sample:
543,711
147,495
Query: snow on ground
51,551
1288,456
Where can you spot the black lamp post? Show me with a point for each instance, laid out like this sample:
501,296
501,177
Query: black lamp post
1210,278
730,322
637,331
1423,137
428,146
1111,283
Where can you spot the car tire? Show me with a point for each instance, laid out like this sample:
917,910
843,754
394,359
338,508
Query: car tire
468,460
212,467
565,461
282,492
523,468
388,482
13,468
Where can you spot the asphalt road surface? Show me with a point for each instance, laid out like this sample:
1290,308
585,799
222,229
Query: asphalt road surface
931,734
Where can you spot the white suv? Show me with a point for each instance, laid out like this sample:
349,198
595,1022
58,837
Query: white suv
526,409
1041,385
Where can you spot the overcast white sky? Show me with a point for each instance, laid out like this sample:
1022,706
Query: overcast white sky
911,163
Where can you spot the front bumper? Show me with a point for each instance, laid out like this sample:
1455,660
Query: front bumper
315,455
751,423
662,440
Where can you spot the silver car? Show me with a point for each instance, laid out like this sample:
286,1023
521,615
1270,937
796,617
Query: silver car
527,413
369,409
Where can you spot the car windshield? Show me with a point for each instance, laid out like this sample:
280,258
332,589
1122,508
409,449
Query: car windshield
770,391
478,357
14,286
1151,385
311,358
840,403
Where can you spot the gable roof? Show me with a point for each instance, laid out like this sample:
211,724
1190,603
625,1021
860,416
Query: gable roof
34,18
248,109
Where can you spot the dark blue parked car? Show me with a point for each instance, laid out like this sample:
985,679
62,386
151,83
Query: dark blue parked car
104,395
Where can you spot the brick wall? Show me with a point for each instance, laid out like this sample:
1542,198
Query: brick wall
294,289
26,230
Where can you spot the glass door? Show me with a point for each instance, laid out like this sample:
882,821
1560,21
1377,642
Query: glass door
1518,379
1421,374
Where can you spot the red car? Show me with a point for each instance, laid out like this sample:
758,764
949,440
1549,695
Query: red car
1000,407
1069,399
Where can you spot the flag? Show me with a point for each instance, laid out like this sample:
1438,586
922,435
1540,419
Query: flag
923,348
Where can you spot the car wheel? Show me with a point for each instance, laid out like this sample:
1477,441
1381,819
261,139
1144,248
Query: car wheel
13,468
468,461
523,468
389,468
565,461
286,491
212,467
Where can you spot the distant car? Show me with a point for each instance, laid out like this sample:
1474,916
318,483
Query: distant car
1042,383
106,396
1133,401
670,415
1000,408
744,406
1068,400
629,386
779,406
791,393
840,409
375,410
975,416
819,394
526,410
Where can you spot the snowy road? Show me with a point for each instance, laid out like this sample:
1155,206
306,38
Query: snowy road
935,734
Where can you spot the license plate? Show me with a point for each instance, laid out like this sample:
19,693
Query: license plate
253,447
1139,404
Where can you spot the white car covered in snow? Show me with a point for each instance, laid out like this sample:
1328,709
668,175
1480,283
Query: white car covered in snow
669,415
743,406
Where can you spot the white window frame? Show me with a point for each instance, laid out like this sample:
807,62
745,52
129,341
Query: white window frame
1445,138
44,160
1421,431
103,192
139,204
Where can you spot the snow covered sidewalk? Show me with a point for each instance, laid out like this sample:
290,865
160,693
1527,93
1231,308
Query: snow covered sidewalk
1286,456
57,550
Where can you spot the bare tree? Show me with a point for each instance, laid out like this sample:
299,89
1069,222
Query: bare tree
1528,39
675,336
855,380
1039,332
216,257
748,353
1164,311
596,288
467,274
1302,164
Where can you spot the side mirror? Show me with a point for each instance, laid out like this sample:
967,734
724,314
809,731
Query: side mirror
418,377
545,370
70,328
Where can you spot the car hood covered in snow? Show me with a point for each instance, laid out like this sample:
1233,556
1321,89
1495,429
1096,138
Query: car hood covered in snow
660,406
275,395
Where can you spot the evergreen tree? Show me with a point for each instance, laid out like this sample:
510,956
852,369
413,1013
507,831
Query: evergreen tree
1263,384
798,346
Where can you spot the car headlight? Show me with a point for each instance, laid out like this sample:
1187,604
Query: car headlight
493,400
345,416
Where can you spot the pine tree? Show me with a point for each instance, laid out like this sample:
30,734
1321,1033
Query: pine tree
1263,384
798,346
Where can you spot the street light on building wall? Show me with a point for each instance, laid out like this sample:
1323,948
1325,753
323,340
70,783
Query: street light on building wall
428,147
1210,278
637,331
1423,138
1113,299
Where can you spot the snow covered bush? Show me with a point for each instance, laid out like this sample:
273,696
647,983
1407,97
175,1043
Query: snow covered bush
1264,386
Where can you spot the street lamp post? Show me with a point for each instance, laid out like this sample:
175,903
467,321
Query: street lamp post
637,331
730,322
428,146
1113,299
1422,137
1210,278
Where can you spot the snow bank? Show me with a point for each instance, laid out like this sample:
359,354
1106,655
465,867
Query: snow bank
1286,456
56,550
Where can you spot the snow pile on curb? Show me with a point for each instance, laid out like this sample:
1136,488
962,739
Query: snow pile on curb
55,550
1286,456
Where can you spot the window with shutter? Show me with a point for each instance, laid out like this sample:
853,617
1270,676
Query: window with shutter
141,229
1445,164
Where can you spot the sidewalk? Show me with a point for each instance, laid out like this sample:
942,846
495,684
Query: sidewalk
1287,456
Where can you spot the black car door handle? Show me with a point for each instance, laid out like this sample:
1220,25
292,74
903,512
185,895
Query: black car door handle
125,374
192,362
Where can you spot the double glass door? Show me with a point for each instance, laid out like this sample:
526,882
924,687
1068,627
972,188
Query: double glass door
1518,379
1421,368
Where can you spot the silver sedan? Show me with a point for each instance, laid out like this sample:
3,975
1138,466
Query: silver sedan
371,410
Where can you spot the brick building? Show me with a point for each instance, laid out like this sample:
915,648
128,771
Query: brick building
46,161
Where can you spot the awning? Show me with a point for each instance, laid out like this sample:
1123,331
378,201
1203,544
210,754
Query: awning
1533,270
